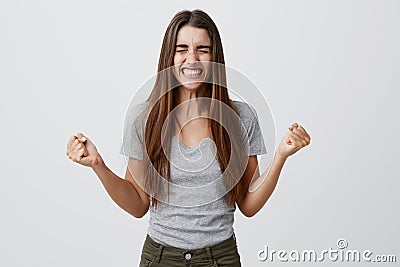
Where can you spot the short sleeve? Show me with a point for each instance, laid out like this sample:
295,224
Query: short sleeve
249,118
132,140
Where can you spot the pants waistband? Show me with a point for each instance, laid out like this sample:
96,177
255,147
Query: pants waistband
159,251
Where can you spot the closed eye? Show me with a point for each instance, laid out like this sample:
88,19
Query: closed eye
183,48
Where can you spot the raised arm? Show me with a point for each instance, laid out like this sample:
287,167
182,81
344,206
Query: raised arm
261,187
126,193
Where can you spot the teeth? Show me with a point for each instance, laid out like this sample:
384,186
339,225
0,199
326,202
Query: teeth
191,72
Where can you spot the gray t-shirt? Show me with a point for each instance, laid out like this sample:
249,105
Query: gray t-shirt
197,226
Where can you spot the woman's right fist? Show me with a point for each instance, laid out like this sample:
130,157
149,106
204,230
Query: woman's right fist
81,150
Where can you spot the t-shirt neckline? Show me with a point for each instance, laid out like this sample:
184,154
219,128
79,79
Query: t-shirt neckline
192,148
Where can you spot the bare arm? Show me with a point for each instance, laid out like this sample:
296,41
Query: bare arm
126,193
262,187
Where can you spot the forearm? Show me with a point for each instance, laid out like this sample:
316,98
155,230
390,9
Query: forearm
120,190
261,188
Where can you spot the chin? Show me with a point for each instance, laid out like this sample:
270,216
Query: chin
192,86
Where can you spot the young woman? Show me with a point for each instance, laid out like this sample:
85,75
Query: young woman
184,136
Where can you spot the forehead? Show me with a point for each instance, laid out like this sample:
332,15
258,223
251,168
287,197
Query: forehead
192,35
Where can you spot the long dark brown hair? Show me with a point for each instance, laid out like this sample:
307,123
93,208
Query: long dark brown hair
163,100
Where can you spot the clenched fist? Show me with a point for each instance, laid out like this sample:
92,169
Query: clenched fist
81,150
295,139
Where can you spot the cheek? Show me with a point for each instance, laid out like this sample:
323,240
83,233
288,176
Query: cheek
205,57
177,59
175,68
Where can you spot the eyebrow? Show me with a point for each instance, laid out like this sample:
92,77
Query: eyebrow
198,47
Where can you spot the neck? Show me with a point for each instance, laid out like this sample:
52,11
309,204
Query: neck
194,107
185,94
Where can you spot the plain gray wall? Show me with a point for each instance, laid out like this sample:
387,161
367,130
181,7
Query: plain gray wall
65,67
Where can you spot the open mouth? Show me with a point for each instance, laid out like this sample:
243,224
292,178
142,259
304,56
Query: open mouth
192,73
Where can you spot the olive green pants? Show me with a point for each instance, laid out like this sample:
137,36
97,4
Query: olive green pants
223,254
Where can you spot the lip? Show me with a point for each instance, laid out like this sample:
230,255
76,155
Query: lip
192,72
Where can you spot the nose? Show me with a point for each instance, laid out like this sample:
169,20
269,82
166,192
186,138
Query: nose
191,56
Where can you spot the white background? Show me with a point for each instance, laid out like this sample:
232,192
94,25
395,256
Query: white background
65,67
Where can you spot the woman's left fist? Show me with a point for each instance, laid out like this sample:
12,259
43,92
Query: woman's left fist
295,138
